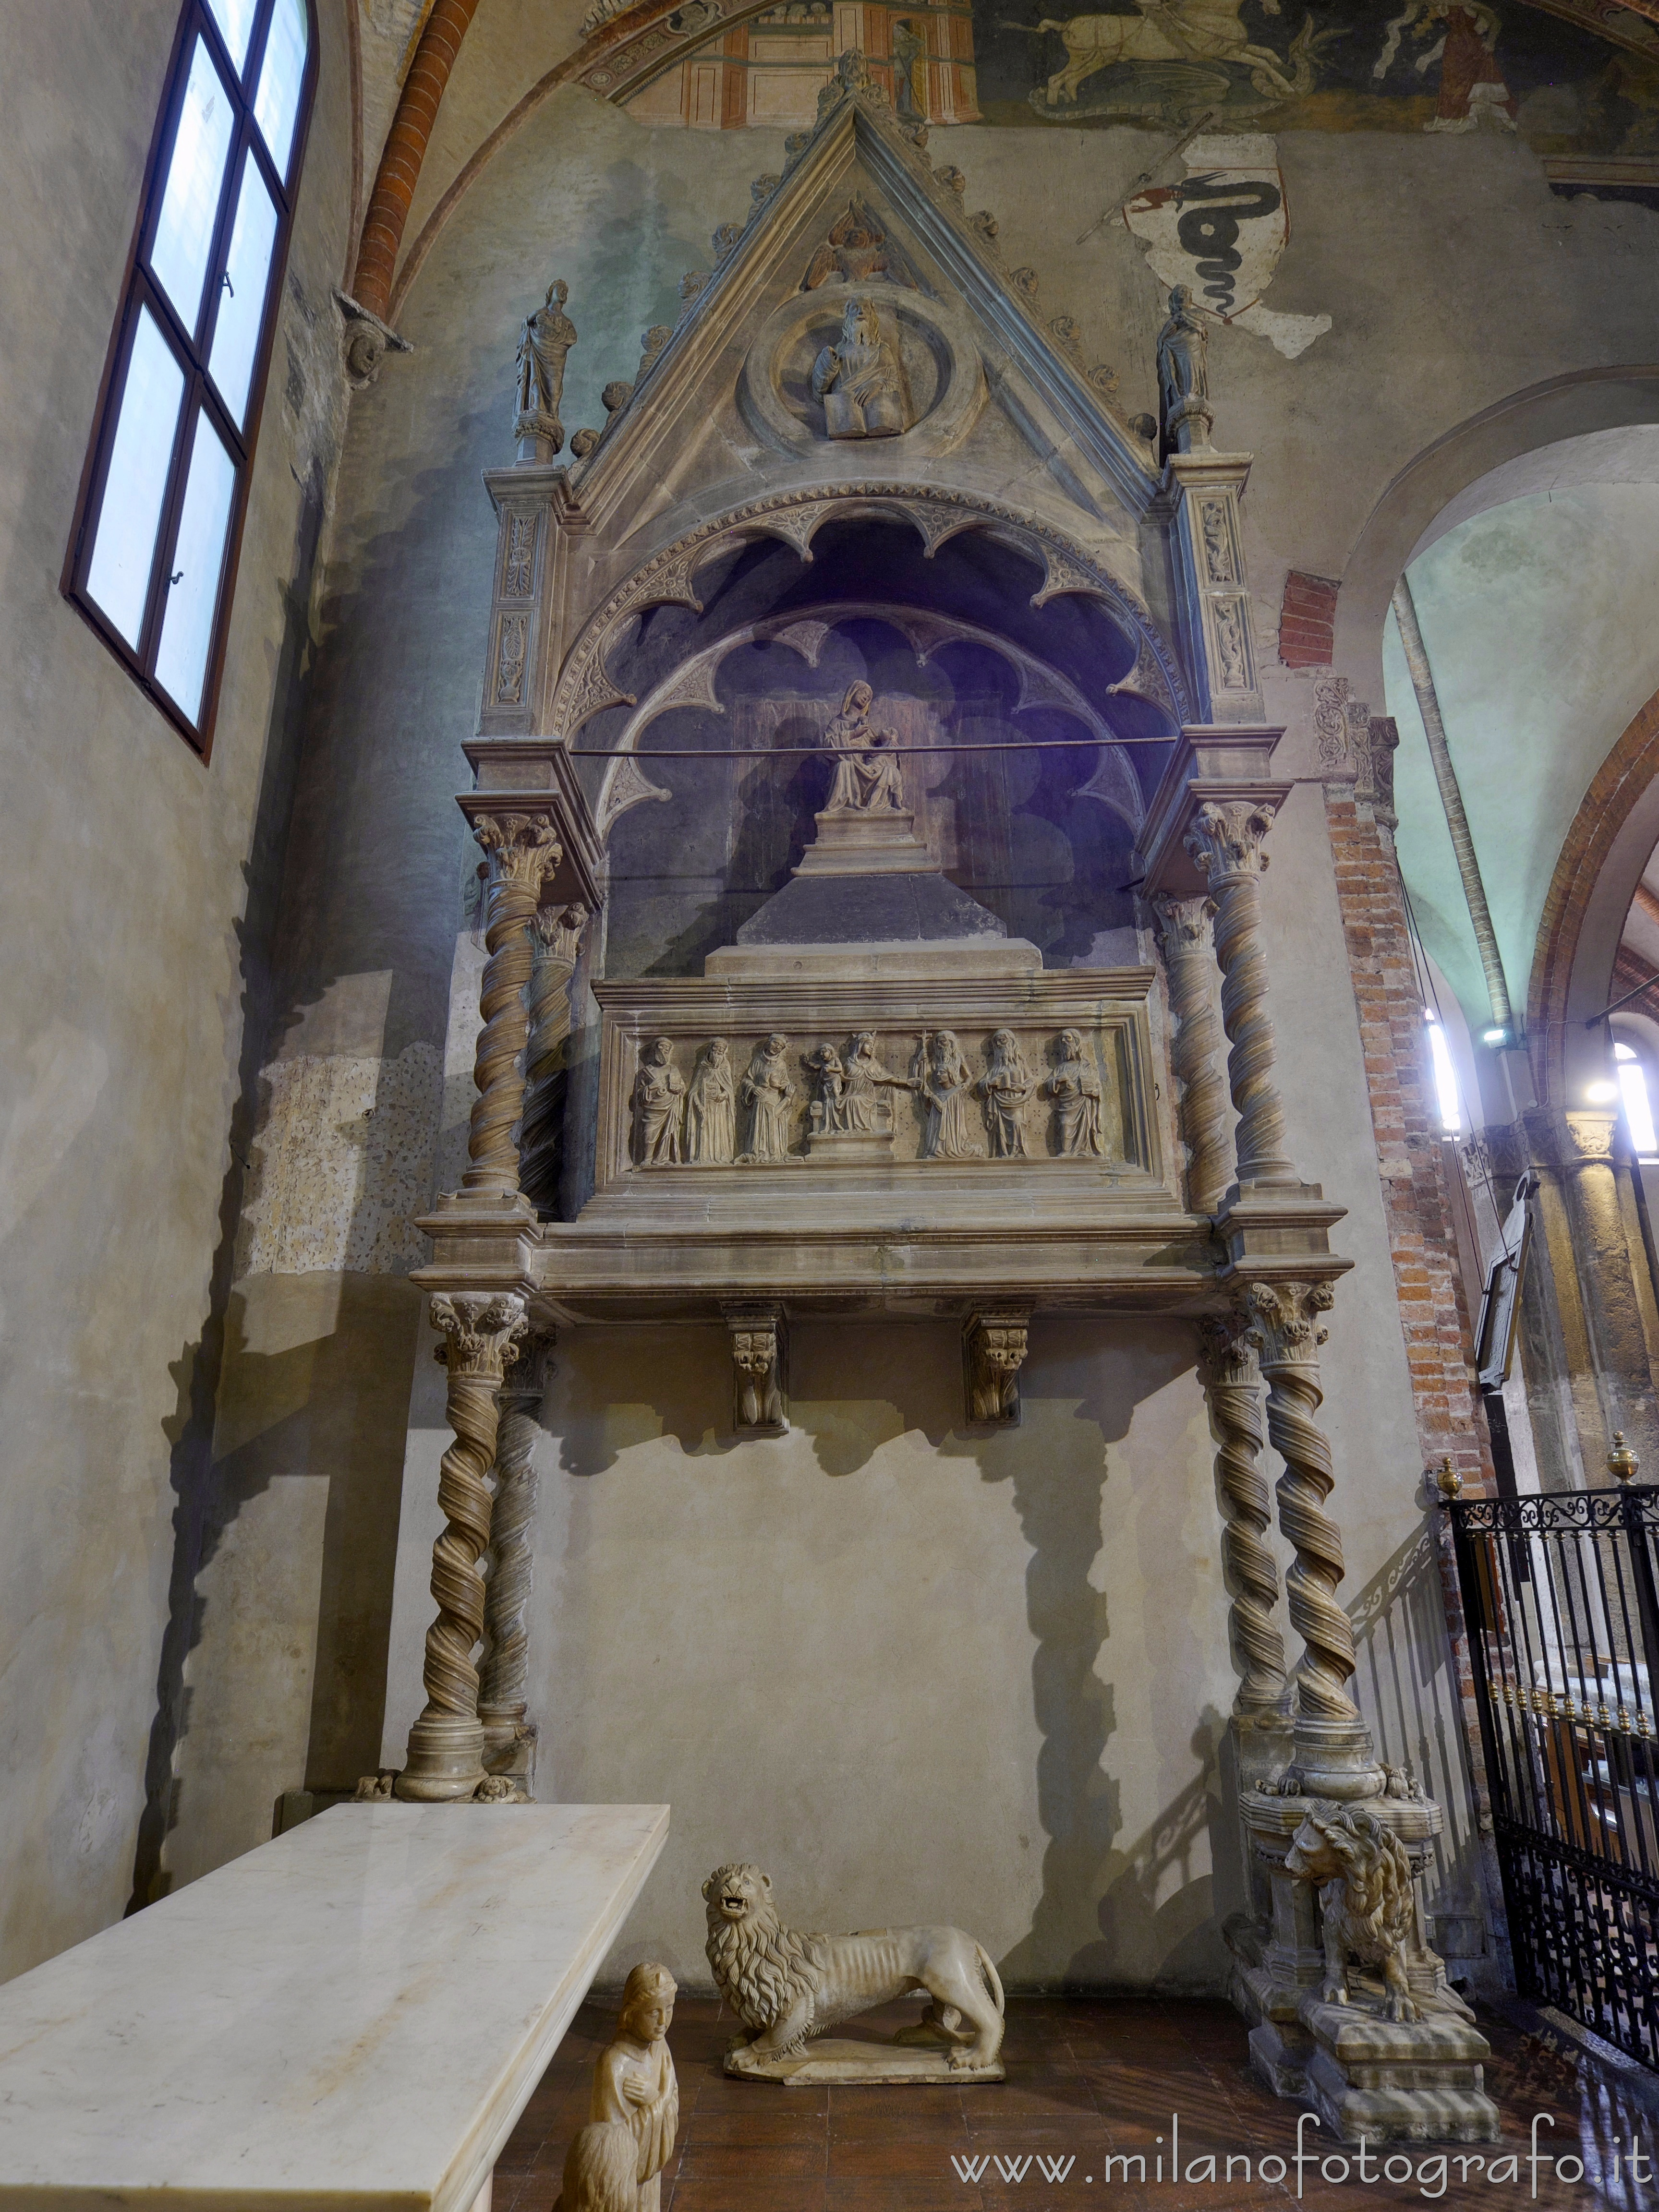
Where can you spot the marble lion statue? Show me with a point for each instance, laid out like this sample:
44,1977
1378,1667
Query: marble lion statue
1364,1878
786,1987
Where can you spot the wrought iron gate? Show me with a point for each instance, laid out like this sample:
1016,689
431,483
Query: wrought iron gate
1561,1599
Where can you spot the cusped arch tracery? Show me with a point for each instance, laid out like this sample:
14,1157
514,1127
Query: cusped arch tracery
805,630
795,518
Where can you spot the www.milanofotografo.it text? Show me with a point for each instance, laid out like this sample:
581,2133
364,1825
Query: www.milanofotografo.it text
1423,2172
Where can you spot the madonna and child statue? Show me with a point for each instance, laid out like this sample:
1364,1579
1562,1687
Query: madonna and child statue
867,772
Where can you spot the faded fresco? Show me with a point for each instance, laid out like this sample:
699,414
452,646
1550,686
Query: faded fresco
1563,88
1420,65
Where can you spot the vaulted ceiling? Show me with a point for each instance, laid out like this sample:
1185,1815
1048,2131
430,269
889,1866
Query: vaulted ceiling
1535,594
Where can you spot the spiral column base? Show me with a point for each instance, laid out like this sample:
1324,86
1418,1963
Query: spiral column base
445,1761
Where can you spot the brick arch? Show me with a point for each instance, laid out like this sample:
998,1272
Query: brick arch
1609,844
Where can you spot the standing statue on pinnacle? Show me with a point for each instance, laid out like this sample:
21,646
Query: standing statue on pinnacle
1184,376
548,336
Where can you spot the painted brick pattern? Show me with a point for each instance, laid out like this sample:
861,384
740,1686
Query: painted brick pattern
1434,1313
406,150
1307,621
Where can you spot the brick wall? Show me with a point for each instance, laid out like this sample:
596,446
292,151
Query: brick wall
1434,1313
1307,621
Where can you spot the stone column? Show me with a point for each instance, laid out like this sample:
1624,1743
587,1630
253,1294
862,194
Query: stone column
555,941
1184,937
1225,845
509,1735
1334,1758
1231,1387
1607,1262
523,851
446,1744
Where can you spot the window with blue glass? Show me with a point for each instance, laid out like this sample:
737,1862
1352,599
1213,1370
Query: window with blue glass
152,558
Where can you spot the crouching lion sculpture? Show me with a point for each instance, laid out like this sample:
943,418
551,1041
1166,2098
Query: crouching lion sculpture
786,1987
1365,1876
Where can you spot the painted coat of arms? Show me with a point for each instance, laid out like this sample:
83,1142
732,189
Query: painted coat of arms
1221,230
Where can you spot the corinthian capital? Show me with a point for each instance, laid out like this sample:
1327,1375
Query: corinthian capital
1226,838
481,1330
1228,1345
523,848
1183,924
1283,1318
559,929
1590,1139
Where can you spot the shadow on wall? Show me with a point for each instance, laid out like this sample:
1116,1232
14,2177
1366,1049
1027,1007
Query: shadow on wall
1100,1525
197,1371
1405,1683
368,888
1103,1900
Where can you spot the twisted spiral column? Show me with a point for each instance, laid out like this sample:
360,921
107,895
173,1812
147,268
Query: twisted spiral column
555,940
523,851
1183,934
503,1697
1283,1317
1225,845
1231,1387
446,1744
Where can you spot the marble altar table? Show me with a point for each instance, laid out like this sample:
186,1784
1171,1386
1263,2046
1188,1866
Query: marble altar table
349,2019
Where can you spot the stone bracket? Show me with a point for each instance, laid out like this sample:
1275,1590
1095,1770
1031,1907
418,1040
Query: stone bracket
539,775
994,1345
1211,762
760,1346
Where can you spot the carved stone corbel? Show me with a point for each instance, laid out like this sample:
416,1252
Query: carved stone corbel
365,341
760,1338
994,1345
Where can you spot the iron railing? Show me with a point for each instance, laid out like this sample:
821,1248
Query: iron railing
1561,1599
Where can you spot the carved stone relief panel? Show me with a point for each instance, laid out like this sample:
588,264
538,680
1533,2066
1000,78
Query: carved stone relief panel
928,1097
877,1077
510,645
853,363
518,555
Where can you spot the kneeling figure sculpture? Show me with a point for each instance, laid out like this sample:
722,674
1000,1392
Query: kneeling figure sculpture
787,1987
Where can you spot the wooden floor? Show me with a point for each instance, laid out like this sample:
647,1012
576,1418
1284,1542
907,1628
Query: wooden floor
1088,2081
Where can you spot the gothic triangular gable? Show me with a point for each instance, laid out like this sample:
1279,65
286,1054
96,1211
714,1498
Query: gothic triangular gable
862,276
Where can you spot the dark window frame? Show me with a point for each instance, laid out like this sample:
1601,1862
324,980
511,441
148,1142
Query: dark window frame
140,290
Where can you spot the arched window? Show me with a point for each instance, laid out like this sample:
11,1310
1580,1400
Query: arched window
156,530
1633,1098
1445,1074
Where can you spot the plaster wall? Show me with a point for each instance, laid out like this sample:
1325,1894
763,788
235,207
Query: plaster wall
1535,618
1426,254
136,889
915,1673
